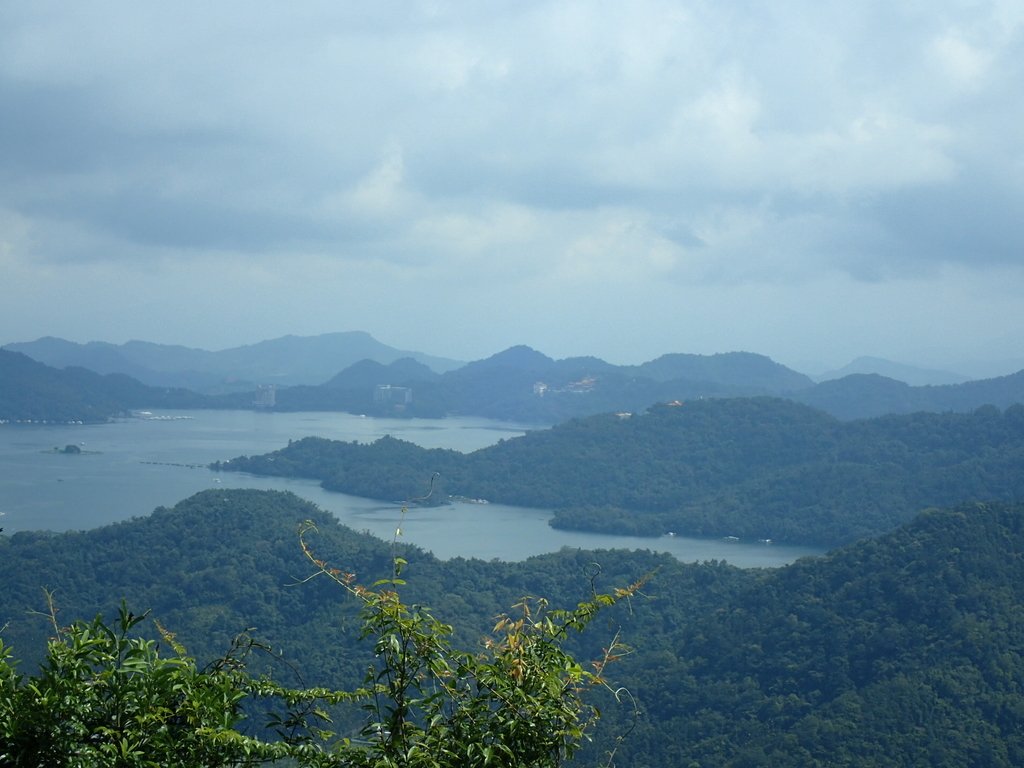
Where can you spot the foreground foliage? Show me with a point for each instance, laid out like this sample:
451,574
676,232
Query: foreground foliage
106,696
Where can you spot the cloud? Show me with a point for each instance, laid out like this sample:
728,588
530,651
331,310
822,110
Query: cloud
660,146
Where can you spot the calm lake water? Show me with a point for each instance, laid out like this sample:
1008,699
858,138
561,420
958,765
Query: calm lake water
129,467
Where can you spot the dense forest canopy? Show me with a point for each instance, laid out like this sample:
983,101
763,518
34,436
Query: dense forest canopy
756,468
902,650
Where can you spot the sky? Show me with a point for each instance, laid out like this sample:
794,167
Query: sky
809,180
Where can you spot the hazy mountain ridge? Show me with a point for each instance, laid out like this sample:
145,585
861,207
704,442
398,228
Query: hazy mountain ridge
523,384
908,374
293,359
518,384
859,396
366,374
33,391
285,361
756,371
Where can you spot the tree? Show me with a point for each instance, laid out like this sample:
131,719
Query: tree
103,697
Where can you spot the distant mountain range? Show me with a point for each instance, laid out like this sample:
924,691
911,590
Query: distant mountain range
861,396
313,360
353,372
287,361
908,374
523,384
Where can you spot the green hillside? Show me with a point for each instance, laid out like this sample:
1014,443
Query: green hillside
904,650
32,391
755,468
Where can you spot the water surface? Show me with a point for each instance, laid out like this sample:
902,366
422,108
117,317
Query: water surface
129,467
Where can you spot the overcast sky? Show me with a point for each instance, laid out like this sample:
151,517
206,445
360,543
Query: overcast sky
812,181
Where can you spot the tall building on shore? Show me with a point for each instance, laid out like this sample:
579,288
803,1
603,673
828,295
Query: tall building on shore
266,396
391,395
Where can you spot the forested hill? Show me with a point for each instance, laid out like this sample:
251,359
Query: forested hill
756,468
32,391
903,650
906,650
859,396
523,384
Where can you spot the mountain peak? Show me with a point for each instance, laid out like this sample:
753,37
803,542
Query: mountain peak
756,371
519,356
908,374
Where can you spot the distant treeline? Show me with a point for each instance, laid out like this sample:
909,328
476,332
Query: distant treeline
756,468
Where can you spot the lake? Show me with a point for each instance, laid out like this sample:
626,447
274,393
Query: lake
129,467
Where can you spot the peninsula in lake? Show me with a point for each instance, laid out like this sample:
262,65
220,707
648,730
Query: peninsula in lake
756,468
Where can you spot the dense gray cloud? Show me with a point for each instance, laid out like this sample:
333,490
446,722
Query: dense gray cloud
616,179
